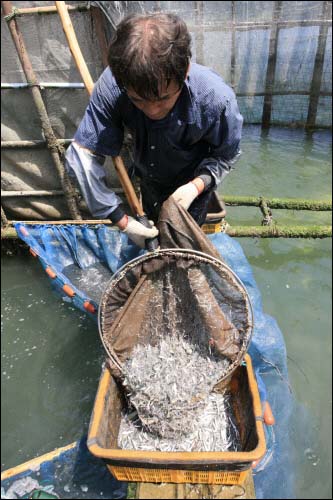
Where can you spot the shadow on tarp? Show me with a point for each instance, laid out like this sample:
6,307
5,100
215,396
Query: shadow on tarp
74,473
78,254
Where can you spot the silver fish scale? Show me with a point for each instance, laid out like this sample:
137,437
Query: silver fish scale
169,385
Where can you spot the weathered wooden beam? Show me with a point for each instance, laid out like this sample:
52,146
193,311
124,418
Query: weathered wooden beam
49,9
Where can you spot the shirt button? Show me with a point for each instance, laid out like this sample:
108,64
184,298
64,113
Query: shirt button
152,147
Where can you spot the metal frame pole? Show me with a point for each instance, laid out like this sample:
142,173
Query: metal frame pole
318,70
271,65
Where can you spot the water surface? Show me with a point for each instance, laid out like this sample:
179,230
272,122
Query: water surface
52,354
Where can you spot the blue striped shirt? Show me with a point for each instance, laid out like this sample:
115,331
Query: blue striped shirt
200,135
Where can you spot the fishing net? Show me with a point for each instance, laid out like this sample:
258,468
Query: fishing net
185,291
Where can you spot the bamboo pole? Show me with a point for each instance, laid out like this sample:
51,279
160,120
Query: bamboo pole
39,103
32,144
74,46
53,192
43,85
19,194
282,203
49,9
234,231
125,181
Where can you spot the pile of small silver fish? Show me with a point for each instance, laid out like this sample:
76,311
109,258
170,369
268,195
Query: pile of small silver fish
170,388
214,430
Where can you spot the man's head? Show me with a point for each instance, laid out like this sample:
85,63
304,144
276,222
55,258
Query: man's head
149,56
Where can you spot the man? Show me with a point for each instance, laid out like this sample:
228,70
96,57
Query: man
183,117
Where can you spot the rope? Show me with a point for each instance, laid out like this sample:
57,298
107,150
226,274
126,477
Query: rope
4,220
12,15
267,213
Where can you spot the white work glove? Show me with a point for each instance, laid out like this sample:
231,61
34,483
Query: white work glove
186,194
139,233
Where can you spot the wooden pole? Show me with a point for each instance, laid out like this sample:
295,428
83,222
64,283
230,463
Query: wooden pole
32,144
74,46
52,192
49,9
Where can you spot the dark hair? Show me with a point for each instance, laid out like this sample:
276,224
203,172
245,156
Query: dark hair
146,50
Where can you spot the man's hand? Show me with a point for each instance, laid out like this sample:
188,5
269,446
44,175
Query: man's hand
136,231
186,194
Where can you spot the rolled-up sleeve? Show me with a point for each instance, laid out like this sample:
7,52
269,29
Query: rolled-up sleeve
223,137
101,129
100,132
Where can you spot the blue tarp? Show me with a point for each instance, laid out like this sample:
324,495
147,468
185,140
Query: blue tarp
101,250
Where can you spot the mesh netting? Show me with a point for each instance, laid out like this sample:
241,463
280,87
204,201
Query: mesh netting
177,291
144,302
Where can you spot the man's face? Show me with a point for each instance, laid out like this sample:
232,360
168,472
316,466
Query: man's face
158,108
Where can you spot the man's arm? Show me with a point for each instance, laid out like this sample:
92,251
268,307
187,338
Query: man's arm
100,134
224,138
87,169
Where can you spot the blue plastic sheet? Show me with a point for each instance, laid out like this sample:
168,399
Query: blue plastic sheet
101,250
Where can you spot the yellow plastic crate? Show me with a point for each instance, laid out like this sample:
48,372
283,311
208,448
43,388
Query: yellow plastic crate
212,228
177,476
179,467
